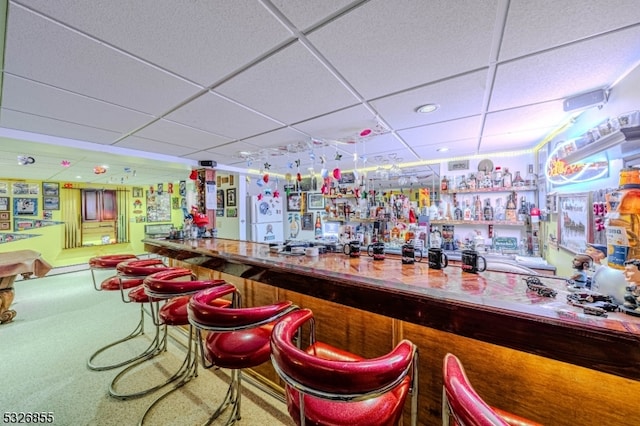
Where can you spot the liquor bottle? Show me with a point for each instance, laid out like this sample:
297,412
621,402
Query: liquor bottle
466,213
499,212
462,185
507,178
318,226
531,179
444,184
497,177
522,211
488,210
457,212
472,183
517,180
477,209
510,211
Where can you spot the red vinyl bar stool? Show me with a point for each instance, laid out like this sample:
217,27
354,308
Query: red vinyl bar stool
329,386
113,283
174,287
107,262
130,273
238,338
461,405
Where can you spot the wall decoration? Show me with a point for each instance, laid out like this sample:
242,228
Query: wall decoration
4,188
182,188
307,222
136,192
20,188
51,203
5,216
50,189
5,226
574,219
220,212
232,212
231,197
231,180
220,199
158,207
218,180
315,201
294,202
10,237
25,206
175,203
4,203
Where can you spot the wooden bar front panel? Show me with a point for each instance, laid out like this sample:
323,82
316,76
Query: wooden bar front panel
546,361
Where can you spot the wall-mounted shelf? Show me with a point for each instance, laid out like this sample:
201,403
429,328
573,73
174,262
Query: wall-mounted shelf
489,190
602,144
477,222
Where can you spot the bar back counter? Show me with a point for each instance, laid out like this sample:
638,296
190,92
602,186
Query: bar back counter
535,356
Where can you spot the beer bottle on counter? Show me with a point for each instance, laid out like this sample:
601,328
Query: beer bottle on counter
318,226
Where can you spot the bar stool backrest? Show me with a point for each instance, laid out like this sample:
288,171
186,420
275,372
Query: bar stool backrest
461,405
335,379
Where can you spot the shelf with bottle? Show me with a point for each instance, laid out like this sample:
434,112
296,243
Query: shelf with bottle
478,222
490,190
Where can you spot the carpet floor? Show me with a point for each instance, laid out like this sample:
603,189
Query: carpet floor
61,320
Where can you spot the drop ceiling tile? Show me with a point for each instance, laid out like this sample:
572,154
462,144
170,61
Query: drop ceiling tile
527,30
340,125
48,53
522,140
38,99
540,119
383,47
457,97
47,126
447,134
150,145
213,113
291,94
567,71
178,134
201,41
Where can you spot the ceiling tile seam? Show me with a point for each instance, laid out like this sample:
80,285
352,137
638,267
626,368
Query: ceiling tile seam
502,14
188,126
302,38
80,95
267,4
110,46
62,121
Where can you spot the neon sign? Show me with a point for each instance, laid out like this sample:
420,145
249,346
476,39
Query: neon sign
559,172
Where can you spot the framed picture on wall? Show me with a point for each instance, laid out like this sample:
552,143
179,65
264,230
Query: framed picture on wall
51,203
50,189
220,200
25,206
4,203
574,221
231,197
232,212
136,192
4,188
294,202
315,201
5,216
219,212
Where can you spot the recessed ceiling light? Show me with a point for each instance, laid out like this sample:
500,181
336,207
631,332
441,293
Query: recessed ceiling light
443,149
427,108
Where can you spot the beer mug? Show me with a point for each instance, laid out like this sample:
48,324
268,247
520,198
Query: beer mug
376,250
409,254
437,258
470,260
352,248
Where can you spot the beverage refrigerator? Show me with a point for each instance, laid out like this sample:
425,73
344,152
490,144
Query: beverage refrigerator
266,223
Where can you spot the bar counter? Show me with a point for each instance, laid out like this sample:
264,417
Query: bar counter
536,356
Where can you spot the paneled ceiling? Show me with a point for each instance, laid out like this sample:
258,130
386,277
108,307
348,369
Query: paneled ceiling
149,87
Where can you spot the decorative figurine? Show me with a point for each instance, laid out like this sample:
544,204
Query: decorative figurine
598,253
631,304
579,280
